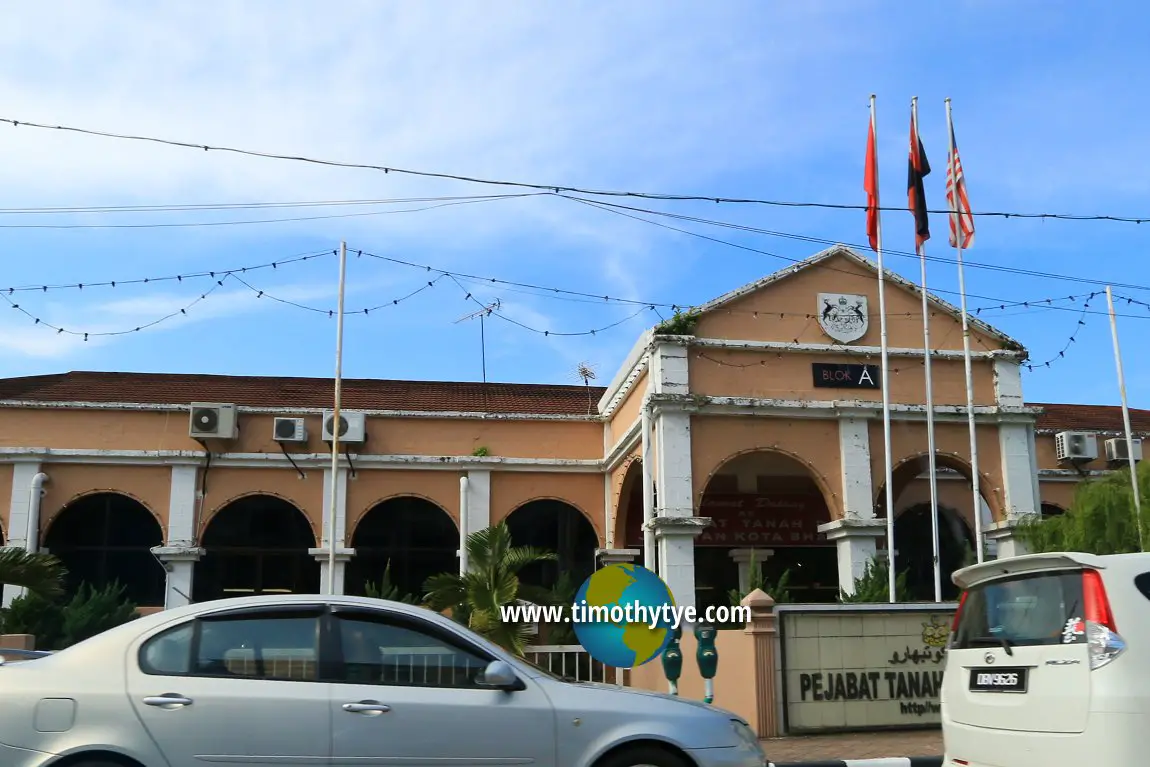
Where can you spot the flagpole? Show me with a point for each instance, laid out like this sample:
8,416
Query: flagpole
889,485
335,422
1126,419
921,248
959,245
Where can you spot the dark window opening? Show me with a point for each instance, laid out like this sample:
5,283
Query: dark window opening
413,536
561,529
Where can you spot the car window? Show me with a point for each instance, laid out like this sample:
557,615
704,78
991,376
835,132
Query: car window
169,653
1037,609
266,646
378,649
1142,583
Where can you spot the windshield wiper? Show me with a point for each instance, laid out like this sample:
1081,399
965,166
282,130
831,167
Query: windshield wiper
999,640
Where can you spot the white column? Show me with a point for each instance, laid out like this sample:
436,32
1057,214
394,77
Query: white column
1008,383
179,552
854,455
17,529
607,557
743,558
342,552
478,500
1018,487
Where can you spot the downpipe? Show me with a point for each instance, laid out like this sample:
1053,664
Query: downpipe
35,495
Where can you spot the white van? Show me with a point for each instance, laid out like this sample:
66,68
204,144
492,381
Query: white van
1049,663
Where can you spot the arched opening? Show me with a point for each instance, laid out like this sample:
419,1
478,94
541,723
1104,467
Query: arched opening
629,512
562,529
765,507
913,533
257,544
415,536
104,538
1051,510
914,549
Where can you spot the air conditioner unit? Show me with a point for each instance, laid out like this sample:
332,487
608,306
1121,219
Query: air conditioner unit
353,426
1076,446
213,420
289,430
1116,450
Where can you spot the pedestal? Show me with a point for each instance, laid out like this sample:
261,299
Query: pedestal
342,555
675,540
1004,537
856,542
180,562
607,557
743,558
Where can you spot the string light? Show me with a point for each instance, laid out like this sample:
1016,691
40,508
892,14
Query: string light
332,312
1071,340
556,188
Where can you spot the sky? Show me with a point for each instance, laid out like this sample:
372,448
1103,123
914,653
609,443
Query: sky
724,99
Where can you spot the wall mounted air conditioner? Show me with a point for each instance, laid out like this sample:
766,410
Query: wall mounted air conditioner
213,420
289,430
1076,446
1116,450
353,426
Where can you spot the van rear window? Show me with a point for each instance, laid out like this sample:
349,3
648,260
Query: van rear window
1023,610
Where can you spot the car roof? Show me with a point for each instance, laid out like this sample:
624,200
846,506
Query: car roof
973,575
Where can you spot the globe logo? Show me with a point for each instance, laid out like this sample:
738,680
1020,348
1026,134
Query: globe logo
624,615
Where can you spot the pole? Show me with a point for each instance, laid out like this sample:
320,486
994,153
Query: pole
929,395
648,490
1126,420
960,245
483,347
335,417
885,379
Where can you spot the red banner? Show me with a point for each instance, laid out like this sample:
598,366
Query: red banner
743,520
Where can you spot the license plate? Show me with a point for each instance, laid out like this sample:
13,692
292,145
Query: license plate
998,679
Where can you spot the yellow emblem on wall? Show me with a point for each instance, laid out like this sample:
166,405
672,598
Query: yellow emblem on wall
935,634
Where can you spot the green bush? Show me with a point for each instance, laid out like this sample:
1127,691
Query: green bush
874,585
58,624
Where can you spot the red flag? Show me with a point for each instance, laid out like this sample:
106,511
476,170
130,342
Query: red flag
962,207
918,169
870,184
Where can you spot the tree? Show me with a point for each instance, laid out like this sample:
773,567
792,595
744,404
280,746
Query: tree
385,589
1100,520
32,570
781,587
874,585
491,582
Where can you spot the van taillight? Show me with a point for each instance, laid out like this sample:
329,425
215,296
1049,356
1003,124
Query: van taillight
1102,638
958,612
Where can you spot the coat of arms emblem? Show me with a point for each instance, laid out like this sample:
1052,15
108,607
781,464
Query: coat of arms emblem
843,317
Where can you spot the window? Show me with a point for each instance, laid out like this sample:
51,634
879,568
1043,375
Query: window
379,650
169,653
1024,610
278,646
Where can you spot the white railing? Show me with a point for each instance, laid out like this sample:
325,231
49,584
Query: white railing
572,660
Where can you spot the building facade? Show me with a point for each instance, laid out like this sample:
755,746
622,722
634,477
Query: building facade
754,424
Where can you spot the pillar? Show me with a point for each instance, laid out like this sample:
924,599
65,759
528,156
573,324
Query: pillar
179,553
606,557
763,632
856,534
856,544
675,543
743,558
342,552
1018,488
17,529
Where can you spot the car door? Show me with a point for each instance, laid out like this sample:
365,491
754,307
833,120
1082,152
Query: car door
405,693
240,687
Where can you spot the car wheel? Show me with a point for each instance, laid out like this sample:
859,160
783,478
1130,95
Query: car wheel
644,756
95,763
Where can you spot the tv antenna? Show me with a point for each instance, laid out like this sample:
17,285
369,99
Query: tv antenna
482,314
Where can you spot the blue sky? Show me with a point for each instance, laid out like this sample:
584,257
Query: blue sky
739,99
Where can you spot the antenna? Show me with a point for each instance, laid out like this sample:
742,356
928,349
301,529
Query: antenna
585,371
482,313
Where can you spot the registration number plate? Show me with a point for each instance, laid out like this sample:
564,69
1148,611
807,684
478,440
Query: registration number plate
998,679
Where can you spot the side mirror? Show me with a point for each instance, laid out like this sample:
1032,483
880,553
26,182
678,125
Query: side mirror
500,675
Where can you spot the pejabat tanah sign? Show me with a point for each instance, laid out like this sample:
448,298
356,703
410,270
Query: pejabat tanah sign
743,519
846,668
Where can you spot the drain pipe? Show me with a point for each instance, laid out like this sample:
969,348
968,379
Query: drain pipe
35,493
648,492
463,525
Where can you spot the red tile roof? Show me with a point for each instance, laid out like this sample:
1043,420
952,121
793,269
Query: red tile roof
1107,418
261,391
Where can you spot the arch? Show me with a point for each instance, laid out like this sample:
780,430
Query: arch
908,469
417,537
207,520
560,527
103,537
257,543
627,524
773,501
1049,510
914,549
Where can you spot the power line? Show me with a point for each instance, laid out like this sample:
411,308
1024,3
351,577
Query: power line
184,207
557,188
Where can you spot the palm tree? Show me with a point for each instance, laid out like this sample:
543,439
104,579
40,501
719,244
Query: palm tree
491,582
36,571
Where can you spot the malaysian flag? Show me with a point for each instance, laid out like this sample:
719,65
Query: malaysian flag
962,206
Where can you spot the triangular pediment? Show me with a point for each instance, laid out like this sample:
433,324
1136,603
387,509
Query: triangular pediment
792,305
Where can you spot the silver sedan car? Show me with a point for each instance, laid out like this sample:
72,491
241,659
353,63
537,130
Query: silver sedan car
335,680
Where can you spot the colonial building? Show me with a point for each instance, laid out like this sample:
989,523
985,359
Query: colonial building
754,423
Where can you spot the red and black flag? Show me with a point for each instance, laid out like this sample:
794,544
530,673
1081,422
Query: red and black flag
918,169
